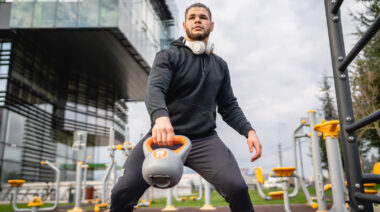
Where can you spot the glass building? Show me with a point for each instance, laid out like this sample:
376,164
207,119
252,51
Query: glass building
69,65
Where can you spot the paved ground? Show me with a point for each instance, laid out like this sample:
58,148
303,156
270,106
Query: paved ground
259,208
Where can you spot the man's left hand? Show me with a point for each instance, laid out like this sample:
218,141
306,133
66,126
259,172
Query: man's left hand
254,142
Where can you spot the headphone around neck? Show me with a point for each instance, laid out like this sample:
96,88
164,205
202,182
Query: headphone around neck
199,47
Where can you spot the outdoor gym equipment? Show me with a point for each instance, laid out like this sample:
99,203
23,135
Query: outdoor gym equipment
358,200
330,130
193,198
285,173
176,197
79,145
126,148
146,201
169,201
162,167
316,157
207,205
207,202
35,202
200,188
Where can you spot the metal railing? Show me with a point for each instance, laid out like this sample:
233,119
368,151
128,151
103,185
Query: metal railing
358,200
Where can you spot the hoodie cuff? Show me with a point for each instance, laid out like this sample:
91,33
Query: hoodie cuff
245,129
159,113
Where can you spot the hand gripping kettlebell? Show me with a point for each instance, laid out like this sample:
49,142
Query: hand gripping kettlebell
163,167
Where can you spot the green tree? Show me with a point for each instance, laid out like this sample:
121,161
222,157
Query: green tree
365,79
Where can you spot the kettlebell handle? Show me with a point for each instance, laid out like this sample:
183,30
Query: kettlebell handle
182,151
176,140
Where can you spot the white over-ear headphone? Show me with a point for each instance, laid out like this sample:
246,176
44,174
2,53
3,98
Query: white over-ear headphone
199,47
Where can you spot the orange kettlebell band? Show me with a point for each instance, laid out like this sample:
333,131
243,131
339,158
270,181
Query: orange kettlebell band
176,140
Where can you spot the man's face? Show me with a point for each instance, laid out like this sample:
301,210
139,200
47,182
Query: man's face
198,24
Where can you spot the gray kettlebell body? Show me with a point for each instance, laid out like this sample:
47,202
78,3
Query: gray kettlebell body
162,167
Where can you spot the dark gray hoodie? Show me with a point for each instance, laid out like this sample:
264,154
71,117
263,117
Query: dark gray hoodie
188,88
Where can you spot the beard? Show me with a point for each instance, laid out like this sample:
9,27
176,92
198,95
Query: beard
197,36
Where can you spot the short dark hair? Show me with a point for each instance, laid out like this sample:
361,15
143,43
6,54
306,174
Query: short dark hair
198,5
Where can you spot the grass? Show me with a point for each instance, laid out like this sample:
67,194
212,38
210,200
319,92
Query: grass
216,200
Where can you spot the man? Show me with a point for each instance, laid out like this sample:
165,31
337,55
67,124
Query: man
186,85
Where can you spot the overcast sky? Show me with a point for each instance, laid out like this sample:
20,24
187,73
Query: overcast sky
277,53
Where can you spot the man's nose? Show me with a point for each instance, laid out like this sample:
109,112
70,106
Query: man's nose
197,19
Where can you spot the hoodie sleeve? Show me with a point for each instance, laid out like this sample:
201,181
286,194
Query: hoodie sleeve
158,84
229,109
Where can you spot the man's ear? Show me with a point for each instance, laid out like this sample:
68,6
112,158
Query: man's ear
212,26
184,26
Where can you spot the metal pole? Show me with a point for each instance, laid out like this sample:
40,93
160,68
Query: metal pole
294,152
169,201
280,154
78,186
108,171
335,175
346,114
57,186
207,194
301,161
84,182
112,154
207,205
317,168
285,194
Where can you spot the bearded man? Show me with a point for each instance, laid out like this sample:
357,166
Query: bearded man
187,85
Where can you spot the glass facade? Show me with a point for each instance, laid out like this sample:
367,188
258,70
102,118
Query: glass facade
136,19
44,101
65,65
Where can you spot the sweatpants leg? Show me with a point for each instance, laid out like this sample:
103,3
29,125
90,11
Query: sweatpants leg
131,186
215,163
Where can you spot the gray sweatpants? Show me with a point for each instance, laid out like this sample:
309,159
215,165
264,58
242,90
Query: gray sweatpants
208,156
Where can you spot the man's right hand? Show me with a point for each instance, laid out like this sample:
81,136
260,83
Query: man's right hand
162,132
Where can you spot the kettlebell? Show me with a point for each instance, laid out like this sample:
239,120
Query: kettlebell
163,167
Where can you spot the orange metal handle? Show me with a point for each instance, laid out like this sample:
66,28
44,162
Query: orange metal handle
176,140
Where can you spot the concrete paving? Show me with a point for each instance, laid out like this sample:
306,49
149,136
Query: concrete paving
258,208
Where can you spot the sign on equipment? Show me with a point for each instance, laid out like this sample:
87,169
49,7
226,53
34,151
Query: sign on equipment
80,140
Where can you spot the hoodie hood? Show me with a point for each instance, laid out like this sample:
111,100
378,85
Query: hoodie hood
178,42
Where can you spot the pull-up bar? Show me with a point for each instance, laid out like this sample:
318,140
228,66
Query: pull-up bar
360,44
358,200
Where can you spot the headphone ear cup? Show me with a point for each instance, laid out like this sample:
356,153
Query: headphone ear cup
197,47
209,48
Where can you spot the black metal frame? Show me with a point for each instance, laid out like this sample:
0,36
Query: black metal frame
359,201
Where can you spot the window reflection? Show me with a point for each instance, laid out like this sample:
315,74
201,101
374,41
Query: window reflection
88,13
3,84
22,13
69,115
12,153
81,117
67,13
10,170
4,69
108,13
15,129
6,46
44,13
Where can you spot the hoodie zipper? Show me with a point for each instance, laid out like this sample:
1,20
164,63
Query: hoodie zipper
202,65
